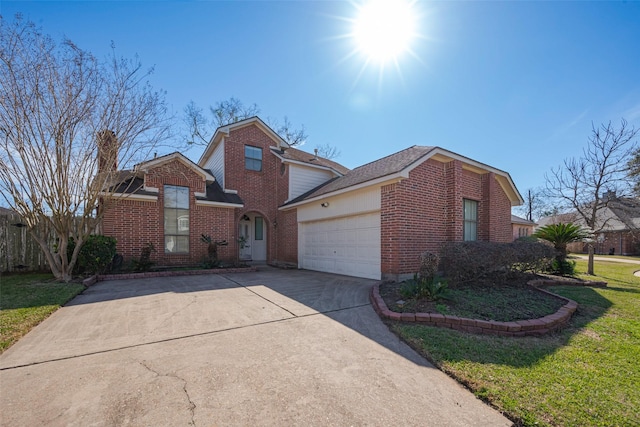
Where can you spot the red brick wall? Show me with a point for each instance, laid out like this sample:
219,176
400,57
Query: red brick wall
420,213
415,216
136,223
262,191
287,235
521,230
624,243
133,224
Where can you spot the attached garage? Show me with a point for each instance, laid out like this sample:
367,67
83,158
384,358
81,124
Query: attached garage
348,245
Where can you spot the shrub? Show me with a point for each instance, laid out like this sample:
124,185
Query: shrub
428,265
212,251
95,255
531,255
466,261
144,263
421,288
564,268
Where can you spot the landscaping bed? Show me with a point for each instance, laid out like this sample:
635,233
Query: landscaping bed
490,300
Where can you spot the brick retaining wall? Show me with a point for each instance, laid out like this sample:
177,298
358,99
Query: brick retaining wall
517,328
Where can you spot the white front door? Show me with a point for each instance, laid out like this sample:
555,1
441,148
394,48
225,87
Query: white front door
244,239
259,236
252,234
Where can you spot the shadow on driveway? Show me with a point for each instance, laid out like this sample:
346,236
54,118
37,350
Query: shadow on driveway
273,347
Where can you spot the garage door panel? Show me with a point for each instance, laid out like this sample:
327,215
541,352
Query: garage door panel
349,246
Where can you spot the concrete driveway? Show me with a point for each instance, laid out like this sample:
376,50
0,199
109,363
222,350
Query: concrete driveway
275,347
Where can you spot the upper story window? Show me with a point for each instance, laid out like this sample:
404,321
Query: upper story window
252,158
176,219
470,232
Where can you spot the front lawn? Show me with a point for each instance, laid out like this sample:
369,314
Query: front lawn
586,374
28,299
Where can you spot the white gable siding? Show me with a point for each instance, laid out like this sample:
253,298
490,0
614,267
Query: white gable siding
303,179
343,205
215,163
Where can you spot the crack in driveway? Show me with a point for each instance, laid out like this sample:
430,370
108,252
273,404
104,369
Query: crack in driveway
192,405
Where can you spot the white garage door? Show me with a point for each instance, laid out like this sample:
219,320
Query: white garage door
349,245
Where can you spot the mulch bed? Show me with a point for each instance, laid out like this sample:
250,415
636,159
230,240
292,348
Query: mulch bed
487,300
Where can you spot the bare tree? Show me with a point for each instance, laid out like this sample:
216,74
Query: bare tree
535,204
583,185
200,127
328,151
294,137
66,120
634,171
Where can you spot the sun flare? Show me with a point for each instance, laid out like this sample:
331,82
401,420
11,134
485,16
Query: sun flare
384,29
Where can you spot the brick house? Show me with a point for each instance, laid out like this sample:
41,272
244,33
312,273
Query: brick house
521,227
281,205
617,222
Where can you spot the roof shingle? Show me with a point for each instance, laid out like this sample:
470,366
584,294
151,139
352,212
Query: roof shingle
388,165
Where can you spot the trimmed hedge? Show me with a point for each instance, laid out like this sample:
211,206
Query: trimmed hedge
465,261
95,255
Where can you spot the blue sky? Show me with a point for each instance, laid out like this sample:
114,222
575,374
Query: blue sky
515,85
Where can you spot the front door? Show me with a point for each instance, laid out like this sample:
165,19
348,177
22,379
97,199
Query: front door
244,238
252,237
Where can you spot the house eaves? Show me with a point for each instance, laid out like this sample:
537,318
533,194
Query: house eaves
503,178
396,167
518,220
149,164
278,154
301,200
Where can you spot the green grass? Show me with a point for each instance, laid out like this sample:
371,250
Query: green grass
620,257
586,375
28,299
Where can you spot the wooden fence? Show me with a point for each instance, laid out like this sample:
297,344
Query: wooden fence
18,250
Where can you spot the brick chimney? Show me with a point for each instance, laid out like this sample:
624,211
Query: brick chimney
107,151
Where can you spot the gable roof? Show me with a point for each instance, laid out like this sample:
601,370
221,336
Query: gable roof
293,155
6,211
518,220
225,130
146,165
131,182
616,214
397,166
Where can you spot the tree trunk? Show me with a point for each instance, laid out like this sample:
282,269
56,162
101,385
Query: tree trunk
590,262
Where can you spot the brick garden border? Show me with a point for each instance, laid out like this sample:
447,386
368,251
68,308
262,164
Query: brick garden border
150,274
517,328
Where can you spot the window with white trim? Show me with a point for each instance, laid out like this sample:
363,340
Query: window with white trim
470,232
176,219
252,158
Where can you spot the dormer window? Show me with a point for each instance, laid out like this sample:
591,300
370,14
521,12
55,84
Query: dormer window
252,158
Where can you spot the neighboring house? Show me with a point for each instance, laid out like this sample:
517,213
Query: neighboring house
521,227
281,205
618,225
